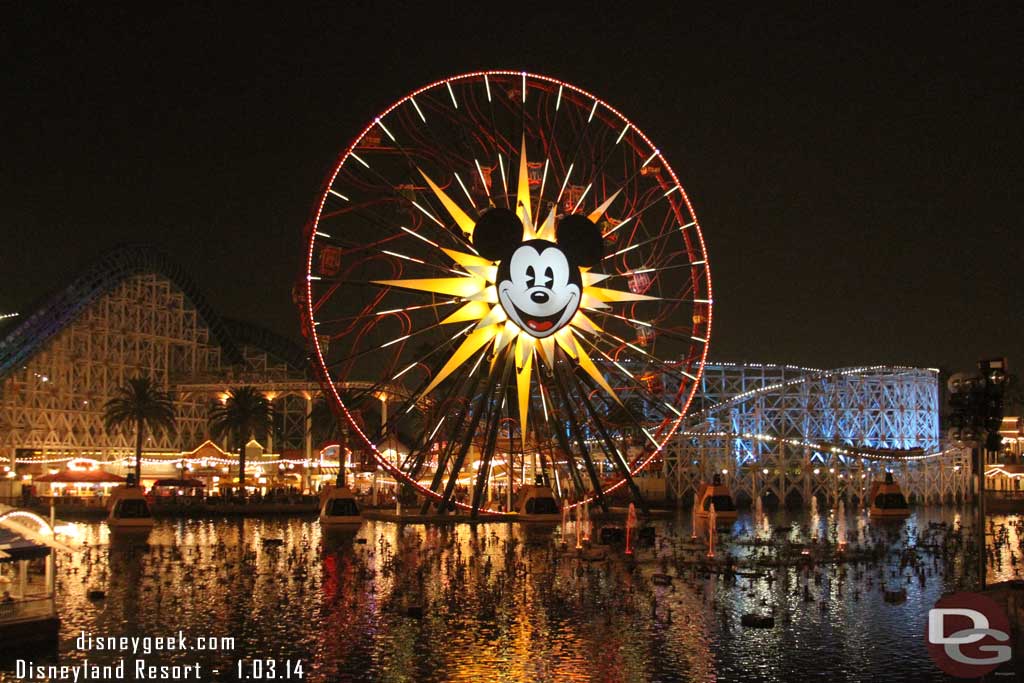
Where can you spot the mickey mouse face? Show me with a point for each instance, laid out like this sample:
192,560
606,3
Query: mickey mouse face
539,282
539,291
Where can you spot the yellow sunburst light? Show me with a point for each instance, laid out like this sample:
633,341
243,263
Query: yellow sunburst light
477,292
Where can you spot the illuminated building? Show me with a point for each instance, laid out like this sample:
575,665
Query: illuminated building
131,313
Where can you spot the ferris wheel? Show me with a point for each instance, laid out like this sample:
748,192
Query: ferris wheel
505,283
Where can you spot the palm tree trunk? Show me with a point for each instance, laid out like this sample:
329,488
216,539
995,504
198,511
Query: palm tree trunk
140,426
241,467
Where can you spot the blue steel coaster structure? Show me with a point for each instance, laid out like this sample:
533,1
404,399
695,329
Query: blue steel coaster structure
789,433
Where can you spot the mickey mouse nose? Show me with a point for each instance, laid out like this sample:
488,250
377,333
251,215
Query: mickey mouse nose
540,297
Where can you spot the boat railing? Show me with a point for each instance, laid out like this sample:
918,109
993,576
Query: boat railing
24,609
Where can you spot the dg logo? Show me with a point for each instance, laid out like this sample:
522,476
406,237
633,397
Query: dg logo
968,635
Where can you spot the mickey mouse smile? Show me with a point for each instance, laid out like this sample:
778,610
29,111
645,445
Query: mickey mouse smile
539,325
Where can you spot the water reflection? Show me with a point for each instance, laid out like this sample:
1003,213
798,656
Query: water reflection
501,602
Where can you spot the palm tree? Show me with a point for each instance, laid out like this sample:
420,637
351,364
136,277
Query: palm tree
141,404
243,413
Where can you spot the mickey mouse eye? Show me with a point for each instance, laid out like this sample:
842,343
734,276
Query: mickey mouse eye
549,278
531,277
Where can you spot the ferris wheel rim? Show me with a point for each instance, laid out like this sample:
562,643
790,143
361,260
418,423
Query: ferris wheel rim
321,365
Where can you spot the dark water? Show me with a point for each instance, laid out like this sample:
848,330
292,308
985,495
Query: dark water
499,602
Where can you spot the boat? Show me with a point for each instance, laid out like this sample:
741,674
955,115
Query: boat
718,493
339,508
28,612
887,499
129,510
537,503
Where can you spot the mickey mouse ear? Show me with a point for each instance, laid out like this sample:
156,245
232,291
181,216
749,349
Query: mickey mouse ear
579,237
498,232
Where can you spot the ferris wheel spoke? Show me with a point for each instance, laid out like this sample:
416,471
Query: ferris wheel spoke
470,384
610,448
660,236
646,207
413,465
444,344
417,455
392,231
540,443
558,429
389,427
484,404
469,154
640,422
418,307
662,299
494,129
656,269
623,409
629,180
405,257
413,167
491,438
653,401
547,155
596,174
580,138
578,435
551,152
423,389
392,189
660,330
667,368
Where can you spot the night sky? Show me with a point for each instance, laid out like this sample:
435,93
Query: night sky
857,175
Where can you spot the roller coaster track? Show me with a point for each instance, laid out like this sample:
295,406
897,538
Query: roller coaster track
845,450
812,375
65,305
